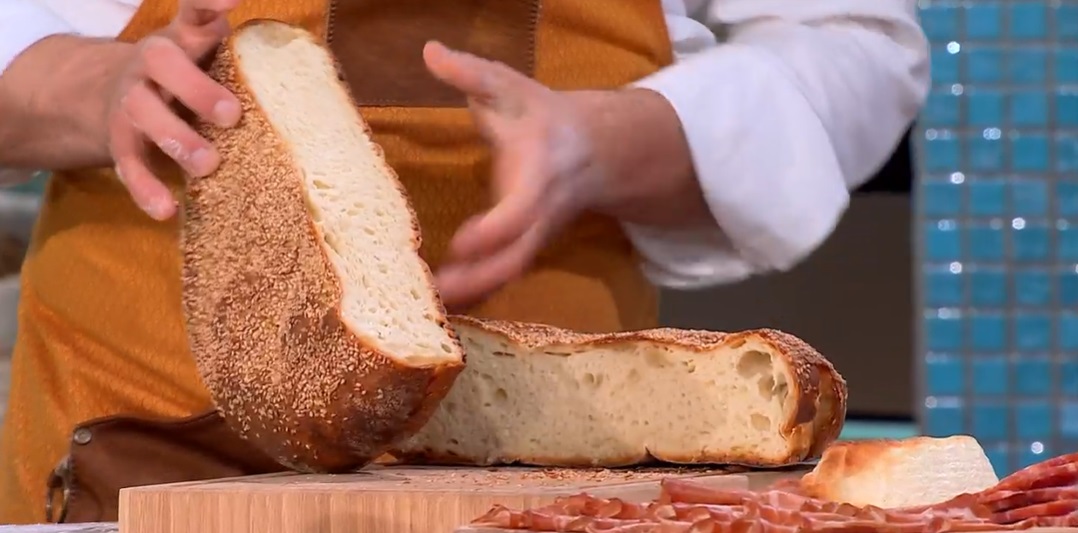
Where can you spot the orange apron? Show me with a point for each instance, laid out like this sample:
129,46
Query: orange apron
100,332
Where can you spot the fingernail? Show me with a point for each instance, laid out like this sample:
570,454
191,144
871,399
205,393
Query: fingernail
226,113
203,162
159,208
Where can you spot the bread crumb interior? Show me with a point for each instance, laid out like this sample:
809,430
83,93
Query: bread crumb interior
353,198
602,401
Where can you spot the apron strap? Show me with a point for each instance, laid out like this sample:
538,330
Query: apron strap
109,454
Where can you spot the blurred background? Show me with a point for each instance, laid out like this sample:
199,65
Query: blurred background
948,296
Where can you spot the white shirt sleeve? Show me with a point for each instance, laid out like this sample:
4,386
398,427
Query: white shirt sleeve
23,23
804,101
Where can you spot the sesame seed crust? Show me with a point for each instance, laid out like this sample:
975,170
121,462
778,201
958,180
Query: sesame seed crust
263,309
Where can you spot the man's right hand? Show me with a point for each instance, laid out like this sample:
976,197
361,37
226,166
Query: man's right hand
164,67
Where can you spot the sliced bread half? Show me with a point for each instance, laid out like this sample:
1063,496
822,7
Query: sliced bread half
313,319
545,396
900,473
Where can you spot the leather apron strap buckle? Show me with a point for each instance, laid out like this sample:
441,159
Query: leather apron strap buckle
62,481
110,454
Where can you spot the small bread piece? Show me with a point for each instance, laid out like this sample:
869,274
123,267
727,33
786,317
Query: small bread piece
313,319
545,396
900,473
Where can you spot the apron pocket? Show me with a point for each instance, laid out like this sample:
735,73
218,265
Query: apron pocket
379,44
113,453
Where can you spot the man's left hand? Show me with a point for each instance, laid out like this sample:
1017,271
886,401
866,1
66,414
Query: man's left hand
554,154
543,172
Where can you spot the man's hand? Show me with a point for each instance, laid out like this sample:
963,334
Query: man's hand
542,172
557,154
164,67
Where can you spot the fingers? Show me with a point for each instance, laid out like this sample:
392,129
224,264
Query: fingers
494,248
466,72
197,41
202,12
200,25
463,284
498,254
147,112
518,204
145,189
487,82
166,65
170,68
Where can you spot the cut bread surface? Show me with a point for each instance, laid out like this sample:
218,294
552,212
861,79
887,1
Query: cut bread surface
313,319
540,395
900,473
355,200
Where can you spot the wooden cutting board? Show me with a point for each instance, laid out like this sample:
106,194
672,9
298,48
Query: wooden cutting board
384,499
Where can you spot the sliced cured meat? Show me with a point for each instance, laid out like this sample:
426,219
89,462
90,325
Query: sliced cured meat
1043,495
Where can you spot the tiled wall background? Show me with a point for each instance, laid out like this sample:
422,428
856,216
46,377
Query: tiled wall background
997,205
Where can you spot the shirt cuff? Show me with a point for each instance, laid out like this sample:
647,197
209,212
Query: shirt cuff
686,259
22,24
765,164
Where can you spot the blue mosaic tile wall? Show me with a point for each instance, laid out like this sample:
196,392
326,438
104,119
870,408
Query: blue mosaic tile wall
997,208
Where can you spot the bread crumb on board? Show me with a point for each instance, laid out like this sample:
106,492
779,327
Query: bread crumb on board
526,477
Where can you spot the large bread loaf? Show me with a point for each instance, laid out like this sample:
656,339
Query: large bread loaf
313,319
544,396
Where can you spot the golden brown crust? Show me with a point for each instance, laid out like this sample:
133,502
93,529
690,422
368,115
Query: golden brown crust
844,460
816,387
263,308
837,463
